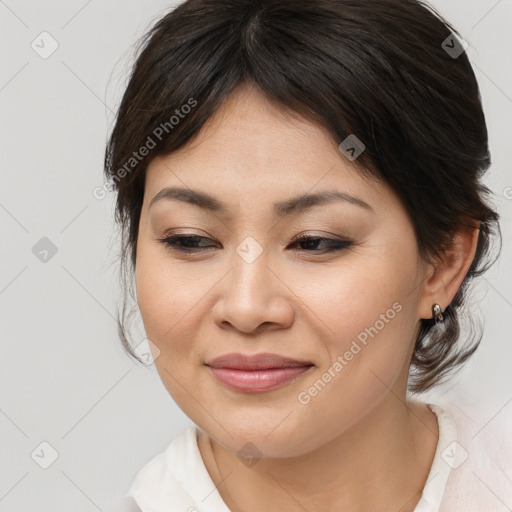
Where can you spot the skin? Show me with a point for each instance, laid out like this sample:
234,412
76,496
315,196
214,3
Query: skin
358,444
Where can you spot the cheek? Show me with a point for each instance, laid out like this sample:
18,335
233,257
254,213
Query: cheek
368,316
173,300
161,294
354,295
366,333
166,299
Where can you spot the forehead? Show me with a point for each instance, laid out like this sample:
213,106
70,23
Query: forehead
250,149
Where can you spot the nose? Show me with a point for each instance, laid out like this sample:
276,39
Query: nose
253,296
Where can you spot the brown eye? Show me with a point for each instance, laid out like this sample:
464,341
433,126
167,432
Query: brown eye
308,243
184,243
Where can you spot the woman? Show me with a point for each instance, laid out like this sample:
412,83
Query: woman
298,185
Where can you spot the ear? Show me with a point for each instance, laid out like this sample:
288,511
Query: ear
445,277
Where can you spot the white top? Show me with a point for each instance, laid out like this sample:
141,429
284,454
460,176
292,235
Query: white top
471,471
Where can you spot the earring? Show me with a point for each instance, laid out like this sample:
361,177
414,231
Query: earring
437,314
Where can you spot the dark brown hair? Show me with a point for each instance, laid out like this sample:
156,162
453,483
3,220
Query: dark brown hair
383,70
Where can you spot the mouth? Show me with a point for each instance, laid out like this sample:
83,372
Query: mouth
256,373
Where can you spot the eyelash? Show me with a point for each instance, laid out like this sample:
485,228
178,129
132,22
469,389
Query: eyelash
336,245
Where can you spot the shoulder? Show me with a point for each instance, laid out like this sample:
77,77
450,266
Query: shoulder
480,459
158,482
483,424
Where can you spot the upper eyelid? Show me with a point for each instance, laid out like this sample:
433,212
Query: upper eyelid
299,237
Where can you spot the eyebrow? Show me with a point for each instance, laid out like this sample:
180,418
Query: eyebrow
285,208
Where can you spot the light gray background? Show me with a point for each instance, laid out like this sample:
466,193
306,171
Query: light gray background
64,378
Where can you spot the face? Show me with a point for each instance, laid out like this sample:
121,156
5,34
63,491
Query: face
345,300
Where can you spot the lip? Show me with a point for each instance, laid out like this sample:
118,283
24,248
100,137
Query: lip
263,361
258,372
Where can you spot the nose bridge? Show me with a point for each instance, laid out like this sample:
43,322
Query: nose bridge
255,243
251,249
250,266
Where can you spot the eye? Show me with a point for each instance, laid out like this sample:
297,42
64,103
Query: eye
183,243
332,244
187,243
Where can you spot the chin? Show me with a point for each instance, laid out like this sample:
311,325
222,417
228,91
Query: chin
266,438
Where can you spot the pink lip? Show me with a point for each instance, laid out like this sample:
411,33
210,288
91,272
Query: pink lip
259,372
